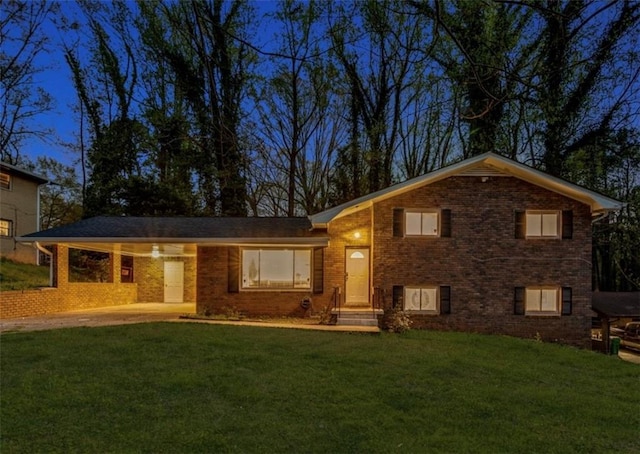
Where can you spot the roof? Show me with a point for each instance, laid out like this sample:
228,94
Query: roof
616,304
103,232
13,170
481,165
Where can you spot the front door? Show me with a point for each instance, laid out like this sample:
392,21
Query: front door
173,282
357,277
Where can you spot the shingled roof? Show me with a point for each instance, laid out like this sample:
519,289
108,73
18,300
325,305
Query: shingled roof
179,229
616,304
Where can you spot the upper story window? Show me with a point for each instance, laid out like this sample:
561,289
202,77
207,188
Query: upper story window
421,222
542,224
5,181
6,227
549,224
276,269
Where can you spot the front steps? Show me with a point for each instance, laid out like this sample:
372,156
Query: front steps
357,316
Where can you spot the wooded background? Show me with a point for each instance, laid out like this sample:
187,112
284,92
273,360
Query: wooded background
235,108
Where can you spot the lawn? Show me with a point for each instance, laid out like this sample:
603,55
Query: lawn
22,276
186,388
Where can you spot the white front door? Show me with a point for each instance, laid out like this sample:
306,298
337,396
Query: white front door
357,277
173,282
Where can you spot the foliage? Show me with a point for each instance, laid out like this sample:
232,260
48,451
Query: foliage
395,320
22,276
204,388
89,266
22,41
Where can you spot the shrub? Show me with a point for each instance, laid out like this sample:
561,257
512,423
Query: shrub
396,320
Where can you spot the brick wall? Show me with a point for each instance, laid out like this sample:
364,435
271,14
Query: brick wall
148,272
483,262
68,295
213,295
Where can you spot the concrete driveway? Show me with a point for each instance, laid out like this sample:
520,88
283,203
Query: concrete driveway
114,315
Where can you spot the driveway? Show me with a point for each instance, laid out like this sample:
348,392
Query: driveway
114,315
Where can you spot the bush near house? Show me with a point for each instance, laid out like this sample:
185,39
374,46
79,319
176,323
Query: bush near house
22,276
208,388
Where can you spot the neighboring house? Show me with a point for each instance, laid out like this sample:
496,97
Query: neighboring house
485,245
19,211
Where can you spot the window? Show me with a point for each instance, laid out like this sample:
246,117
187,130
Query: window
5,181
543,301
542,224
416,222
421,299
276,268
6,227
427,300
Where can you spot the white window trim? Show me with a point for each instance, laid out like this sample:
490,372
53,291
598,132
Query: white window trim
435,211
540,213
422,287
246,288
541,313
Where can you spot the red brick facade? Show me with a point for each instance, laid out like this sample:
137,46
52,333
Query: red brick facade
480,261
67,296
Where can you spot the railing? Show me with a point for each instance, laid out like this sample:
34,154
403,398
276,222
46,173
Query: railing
378,300
336,299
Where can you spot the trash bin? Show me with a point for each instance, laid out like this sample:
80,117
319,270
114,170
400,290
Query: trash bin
615,345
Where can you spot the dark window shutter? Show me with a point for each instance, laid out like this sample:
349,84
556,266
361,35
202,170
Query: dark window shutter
318,270
398,222
233,283
445,223
567,224
521,226
398,292
445,299
518,301
566,300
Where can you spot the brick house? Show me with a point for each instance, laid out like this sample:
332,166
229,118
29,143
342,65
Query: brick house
19,211
485,245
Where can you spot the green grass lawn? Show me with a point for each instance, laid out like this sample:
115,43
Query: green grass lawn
22,276
184,388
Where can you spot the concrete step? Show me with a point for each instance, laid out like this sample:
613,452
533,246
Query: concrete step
357,321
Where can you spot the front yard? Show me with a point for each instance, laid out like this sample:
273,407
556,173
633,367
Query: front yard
184,388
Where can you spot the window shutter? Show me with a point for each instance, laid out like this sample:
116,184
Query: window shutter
445,223
566,300
445,299
398,222
233,282
518,301
398,291
567,224
318,270
521,226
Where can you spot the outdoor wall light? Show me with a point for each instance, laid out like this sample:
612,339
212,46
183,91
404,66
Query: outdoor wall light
356,235
155,252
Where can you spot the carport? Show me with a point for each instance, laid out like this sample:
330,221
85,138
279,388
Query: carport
612,307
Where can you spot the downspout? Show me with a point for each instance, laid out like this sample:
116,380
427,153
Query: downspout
46,251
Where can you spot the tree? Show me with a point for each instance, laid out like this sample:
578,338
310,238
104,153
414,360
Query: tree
22,41
299,124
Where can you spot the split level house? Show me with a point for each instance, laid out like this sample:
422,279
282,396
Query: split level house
485,245
19,211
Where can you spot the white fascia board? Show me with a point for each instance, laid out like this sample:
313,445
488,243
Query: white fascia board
598,202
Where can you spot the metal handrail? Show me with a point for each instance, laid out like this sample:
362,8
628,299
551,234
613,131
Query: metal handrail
336,299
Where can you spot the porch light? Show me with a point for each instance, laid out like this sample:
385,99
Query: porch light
356,235
155,252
